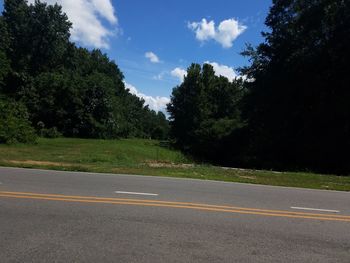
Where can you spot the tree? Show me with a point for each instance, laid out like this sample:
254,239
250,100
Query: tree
184,109
67,89
205,115
298,110
4,44
39,35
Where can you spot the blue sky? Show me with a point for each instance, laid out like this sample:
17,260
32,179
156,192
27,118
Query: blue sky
173,33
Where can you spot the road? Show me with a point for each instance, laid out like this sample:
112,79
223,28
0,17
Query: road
53,216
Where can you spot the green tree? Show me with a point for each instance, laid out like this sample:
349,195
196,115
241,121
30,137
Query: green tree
205,115
298,109
39,35
67,89
184,108
4,45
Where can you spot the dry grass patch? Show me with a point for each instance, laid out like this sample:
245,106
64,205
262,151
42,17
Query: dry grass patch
32,162
157,164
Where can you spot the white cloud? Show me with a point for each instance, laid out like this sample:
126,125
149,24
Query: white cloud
86,16
179,73
152,57
204,30
222,70
105,9
227,31
154,103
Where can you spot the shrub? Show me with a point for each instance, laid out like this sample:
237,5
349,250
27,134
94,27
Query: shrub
50,133
14,124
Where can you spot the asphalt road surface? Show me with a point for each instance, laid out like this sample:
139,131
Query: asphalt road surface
52,216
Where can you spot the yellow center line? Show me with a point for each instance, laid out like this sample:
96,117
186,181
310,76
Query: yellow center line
176,203
203,208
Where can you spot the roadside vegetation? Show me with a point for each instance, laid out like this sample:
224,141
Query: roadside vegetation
289,111
147,157
60,88
293,110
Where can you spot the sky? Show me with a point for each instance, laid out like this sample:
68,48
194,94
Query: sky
154,41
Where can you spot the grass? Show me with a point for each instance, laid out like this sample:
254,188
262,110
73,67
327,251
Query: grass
147,157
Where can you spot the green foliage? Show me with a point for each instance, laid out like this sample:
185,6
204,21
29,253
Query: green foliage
147,157
47,133
205,114
298,104
4,61
14,124
39,35
293,113
69,90
4,68
50,133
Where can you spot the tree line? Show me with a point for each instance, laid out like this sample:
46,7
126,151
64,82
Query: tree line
51,87
292,113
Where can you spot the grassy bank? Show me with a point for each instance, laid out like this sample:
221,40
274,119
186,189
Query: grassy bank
147,157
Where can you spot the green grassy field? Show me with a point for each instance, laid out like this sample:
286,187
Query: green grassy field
147,157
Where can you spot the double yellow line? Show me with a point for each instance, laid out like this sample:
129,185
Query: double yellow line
168,204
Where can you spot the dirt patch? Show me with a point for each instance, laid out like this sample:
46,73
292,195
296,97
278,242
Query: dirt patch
155,164
248,170
31,162
248,177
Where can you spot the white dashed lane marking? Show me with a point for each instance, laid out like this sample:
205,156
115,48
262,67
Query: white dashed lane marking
135,193
315,209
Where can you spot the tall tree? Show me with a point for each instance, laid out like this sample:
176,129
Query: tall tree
205,115
66,89
4,45
39,35
298,104
184,108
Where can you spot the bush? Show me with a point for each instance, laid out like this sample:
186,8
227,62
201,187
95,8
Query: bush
14,124
50,133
